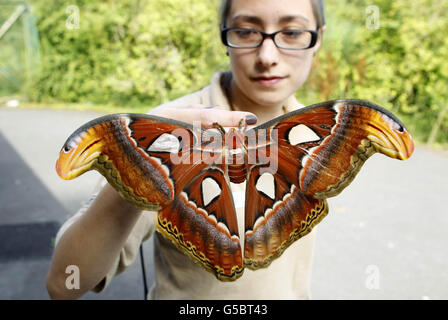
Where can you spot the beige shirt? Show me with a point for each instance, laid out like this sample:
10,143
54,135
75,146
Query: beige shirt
178,277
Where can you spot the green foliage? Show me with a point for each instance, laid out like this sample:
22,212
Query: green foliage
400,65
145,52
126,52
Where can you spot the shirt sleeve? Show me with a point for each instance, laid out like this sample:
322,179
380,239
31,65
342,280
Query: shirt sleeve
143,229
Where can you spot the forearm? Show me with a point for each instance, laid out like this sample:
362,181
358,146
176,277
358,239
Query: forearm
92,244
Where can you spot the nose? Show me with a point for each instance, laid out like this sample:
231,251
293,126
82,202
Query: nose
267,54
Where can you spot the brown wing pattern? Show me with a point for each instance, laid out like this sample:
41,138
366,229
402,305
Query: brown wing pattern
348,132
206,231
273,224
110,145
158,164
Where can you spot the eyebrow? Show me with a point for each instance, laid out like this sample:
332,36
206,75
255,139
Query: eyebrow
247,18
257,20
294,17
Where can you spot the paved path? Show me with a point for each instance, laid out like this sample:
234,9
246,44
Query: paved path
385,237
33,197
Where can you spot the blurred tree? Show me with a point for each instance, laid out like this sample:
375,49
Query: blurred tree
126,52
145,52
400,63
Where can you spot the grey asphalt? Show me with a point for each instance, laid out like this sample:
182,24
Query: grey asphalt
385,237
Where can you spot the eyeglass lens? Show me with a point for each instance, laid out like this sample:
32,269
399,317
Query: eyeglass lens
291,39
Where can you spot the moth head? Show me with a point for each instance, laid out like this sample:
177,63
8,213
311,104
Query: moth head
79,153
390,137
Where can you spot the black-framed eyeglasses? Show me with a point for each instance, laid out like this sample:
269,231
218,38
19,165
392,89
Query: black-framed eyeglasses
291,39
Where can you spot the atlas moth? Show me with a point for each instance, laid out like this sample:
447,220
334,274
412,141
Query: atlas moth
172,167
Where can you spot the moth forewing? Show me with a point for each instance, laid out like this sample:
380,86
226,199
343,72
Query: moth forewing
262,149
210,147
185,142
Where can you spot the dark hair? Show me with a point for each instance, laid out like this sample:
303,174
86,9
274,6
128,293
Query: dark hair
318,11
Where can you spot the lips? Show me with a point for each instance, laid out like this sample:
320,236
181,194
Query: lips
268,81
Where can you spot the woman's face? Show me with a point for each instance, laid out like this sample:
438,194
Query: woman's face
268,75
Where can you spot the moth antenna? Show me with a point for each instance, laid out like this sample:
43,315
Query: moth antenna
217,126
242,125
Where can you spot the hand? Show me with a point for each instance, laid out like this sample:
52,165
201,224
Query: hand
207,115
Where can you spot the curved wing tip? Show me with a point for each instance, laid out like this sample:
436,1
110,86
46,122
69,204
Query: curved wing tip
409,148
59,171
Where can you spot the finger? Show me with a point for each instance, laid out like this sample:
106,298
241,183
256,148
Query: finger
207,116
226,118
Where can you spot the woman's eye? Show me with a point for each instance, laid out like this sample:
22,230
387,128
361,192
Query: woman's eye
291,33
245,33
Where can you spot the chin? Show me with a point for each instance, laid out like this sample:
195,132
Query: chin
270,102
271,98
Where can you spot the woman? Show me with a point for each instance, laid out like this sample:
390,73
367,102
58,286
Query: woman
267,68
